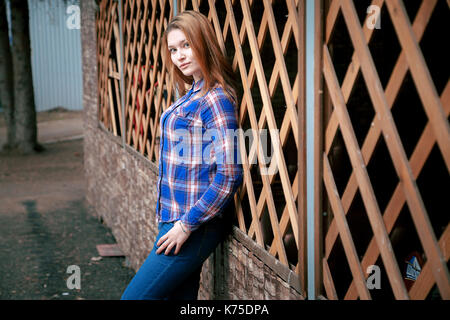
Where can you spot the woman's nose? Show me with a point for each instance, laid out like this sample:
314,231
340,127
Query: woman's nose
181,55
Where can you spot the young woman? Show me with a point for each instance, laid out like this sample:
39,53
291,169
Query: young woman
199,171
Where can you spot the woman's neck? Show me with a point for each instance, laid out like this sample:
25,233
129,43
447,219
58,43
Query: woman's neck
197,77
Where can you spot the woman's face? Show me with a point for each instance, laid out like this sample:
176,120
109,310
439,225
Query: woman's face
182,54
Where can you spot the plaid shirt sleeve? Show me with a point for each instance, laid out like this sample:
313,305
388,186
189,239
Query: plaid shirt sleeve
219,118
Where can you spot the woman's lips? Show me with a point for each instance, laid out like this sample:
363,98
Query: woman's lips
184,65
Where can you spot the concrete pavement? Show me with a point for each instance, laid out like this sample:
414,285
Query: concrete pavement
55,130
46,225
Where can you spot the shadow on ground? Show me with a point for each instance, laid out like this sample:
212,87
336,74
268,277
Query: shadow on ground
46,226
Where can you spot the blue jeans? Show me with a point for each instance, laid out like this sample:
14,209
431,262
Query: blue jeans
176,277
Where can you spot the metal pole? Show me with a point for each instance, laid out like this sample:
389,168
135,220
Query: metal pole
122,85
310,8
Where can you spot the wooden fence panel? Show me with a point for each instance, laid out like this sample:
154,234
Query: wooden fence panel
108,45
262,39
148,88
263,49
390,210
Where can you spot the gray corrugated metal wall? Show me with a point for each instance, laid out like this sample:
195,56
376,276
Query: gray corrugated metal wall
55,55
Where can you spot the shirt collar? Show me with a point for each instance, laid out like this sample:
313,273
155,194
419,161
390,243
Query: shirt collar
196,86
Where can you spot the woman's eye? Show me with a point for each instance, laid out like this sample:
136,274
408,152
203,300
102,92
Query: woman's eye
171,50
186,44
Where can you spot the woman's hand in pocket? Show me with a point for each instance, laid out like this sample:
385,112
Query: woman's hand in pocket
175,237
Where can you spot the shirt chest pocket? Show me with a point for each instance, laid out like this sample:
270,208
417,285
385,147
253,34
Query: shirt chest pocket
189,110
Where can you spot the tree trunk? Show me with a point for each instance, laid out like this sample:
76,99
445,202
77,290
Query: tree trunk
25,113
6,80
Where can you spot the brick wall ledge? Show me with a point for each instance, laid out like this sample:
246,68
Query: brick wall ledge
280,269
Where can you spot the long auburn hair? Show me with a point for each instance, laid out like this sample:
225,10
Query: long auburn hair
210,57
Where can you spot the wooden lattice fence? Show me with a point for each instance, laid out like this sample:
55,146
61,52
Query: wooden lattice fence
108,57
262,40
385,160
382,134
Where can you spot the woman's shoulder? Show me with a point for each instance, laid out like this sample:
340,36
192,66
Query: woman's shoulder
217,94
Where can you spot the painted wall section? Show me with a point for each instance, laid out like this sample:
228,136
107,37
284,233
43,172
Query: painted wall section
56,54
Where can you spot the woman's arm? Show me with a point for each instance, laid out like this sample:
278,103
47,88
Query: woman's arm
219,117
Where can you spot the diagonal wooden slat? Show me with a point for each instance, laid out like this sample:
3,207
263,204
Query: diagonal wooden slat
331,18
216,24
328,281
424,282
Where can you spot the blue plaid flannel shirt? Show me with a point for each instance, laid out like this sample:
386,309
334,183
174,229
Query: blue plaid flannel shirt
199,164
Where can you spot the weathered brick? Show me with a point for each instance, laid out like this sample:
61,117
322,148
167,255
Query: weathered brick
269,286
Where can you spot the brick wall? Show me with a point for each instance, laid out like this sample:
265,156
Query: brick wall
121,189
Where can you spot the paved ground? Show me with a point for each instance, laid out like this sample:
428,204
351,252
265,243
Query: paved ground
45,225
54,125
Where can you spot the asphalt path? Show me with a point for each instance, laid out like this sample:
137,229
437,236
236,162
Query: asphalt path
48,232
